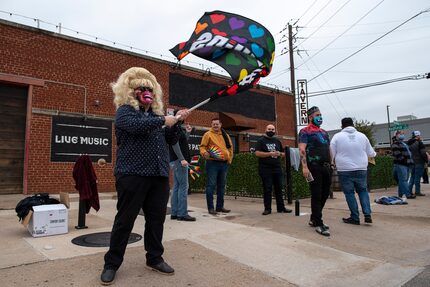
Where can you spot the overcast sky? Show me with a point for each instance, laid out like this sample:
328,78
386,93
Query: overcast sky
341,27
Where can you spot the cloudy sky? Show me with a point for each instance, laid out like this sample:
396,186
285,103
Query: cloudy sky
328,32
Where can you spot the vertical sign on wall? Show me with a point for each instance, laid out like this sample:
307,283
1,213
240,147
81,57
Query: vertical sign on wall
302,86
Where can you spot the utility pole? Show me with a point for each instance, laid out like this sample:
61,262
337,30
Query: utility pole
293,79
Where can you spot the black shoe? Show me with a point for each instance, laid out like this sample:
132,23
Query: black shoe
108,276
186,218
223,210
411,196
420,194
162,268
322,230
212,211
285,210
173,217
368,219
266,212
349,220
311,224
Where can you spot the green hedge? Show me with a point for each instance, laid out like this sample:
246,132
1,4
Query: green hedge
381,174
243,178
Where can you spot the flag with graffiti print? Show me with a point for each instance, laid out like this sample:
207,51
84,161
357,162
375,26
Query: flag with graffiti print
241,46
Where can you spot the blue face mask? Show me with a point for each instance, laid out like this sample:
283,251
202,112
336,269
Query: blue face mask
317,121
401,137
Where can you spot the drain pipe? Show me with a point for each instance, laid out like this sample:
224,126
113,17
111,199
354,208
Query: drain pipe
77,86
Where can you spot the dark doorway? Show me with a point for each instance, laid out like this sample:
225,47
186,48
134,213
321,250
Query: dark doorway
13,110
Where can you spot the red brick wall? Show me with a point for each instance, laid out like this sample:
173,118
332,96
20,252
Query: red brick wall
67,66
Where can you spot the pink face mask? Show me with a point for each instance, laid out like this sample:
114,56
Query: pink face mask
144,95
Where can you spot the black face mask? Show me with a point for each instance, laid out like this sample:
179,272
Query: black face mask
270,134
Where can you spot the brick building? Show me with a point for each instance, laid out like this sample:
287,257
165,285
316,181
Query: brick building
56,103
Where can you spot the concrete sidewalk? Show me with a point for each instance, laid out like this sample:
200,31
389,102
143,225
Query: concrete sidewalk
242,248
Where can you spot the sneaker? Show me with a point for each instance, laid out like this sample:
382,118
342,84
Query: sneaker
349,220
311,224
368,219
223,210
108,276
266,212
173,217
162,268
186,218
412,196
321,230
212,211
420,194
285,210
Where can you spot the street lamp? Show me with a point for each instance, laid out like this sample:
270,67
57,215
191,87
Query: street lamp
388,116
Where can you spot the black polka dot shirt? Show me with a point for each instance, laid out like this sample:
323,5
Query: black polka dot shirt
142,143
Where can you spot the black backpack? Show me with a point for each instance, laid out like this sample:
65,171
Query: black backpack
25,205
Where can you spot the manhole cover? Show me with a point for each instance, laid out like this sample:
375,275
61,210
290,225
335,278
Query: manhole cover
101,239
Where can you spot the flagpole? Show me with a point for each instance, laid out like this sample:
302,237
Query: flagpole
196,106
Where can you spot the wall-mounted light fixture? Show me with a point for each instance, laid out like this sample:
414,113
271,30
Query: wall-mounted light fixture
246,137
97,103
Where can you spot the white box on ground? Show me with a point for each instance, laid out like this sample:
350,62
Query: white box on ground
49,219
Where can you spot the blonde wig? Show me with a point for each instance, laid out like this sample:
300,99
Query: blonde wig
131,79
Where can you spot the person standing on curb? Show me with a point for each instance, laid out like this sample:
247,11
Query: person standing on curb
179,160
216,147
350,151
314,146
419,156
402,160
141,168
269,151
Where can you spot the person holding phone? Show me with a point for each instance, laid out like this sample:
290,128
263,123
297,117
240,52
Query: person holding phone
314,147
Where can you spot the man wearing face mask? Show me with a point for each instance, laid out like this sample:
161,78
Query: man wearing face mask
402,159
314,147
141,167
269,151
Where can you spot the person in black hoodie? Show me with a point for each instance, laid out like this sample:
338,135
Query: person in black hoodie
179,161
419,157
402,159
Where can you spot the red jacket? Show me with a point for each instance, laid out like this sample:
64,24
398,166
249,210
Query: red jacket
86,182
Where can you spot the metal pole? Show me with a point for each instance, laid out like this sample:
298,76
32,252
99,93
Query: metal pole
388,116
289,184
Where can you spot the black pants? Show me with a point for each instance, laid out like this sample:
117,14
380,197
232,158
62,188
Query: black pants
274,180
426,175
320,190
134,193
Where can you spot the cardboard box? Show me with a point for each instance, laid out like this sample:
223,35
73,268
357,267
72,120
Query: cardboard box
49,219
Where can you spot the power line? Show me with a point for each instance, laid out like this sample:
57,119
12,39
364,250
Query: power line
377,39
368,85
306,11
343,33
318,12
326,21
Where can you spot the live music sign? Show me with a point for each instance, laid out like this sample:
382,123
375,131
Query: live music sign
302,86
72,137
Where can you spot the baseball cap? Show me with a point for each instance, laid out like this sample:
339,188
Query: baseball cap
416,133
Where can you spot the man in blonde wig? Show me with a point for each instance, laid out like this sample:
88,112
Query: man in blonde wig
143,134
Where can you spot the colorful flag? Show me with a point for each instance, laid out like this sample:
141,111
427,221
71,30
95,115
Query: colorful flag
243,47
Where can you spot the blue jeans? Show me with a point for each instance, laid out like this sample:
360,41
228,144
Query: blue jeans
401,175
178,201
216,173
417,171
355,180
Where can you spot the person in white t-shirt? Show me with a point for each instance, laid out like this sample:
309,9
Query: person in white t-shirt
350,150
